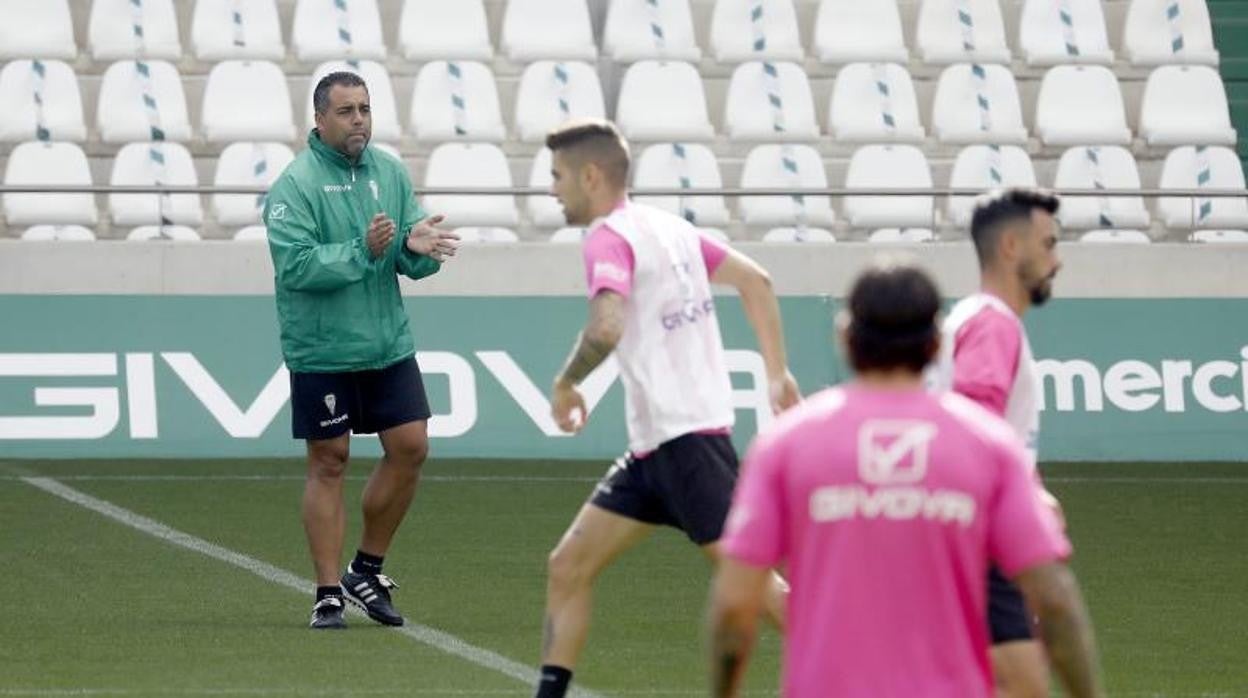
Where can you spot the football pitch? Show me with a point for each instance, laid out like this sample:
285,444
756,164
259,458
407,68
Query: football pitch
191,578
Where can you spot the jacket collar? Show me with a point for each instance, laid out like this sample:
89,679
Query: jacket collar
332,156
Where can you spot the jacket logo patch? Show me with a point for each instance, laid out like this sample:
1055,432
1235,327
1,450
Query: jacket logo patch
278,212
336,188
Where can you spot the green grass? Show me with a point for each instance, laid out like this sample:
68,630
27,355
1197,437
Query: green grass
94,605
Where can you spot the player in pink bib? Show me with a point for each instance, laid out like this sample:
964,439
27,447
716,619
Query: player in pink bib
886,504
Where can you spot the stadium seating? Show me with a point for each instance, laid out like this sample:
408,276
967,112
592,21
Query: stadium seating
1081,105
543,211
552,92
56,115
139,98
888,167
977,104
381,99
254,33
675,166
54,164
246,101
456,100
643,30
327,29
565,236
799,235
58,233
175,233
770,102
149,164
760,30
1190,167
1235,237
985,167
46,30
252,233
111,31
946,34
431,30
901,236
850,31
1115,237
663,101
1048,35
486,235
470,165
1108,167
874,103
548,29
246,164
785,167
1185,105
1156,34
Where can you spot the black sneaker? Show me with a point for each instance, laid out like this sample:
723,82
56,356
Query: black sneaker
327,614
371,592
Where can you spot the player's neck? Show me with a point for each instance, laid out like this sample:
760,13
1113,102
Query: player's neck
608,202
1007,289
890,379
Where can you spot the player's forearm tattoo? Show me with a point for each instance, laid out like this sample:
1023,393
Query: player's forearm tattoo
1072,650
597,341
586,356
548,637
731,647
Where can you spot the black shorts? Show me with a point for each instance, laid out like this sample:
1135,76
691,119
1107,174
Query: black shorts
686,483
1008,617
328,405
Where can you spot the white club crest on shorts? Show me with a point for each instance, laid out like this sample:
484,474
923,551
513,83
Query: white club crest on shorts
331,403
893,452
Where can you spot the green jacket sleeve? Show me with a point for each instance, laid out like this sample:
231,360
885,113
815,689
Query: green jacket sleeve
410,264
300,262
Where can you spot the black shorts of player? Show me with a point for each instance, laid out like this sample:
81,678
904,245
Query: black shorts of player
686,483
328,405
1008,617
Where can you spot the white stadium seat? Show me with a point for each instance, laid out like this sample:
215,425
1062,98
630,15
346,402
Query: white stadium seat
111,35
665,165
257,35
1115,237
247,101
486,235
941,32
552,92
1185,105
431,30
1190,167
973,169
434,116
246,164
58,233
317,31
751,110
888,167
544,211
134,165
736,35
1234,237
53,164
1081,105
381,98
46,30
470,165
852,31
548,29
173,233
663,101
62,103
901,236
1149,36
1108,167
1047,39
566,236
799,235
785,167
387,149
959,116
637,30
252,233
121,115
874,103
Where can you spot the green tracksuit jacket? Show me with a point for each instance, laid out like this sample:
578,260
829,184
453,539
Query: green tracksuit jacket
340,309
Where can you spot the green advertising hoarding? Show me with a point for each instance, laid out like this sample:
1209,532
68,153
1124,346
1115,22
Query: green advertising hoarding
201,376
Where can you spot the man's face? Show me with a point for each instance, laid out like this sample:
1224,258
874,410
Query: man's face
1038,262
347,123
567,187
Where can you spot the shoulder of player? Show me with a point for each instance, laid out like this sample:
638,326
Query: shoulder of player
980,316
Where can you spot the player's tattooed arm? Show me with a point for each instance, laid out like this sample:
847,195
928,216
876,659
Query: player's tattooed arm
596,342
730,648
1051,591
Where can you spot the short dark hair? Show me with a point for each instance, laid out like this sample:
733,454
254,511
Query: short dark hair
593,140
998,209
893,309
320,96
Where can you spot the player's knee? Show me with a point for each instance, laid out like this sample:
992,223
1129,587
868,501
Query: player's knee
328,460
410,454
565,571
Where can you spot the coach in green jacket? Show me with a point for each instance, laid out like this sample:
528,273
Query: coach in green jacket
332,228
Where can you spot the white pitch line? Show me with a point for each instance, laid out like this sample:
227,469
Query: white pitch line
437,639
